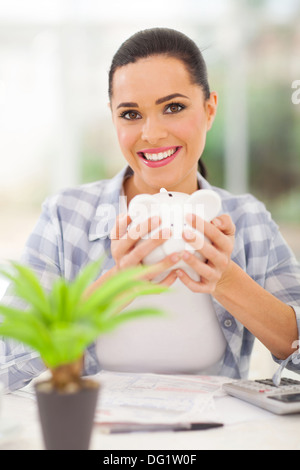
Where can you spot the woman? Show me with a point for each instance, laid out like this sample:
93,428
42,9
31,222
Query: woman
162,108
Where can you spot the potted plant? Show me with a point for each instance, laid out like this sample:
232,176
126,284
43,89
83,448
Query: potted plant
60,325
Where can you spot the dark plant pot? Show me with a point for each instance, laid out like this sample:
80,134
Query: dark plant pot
67,418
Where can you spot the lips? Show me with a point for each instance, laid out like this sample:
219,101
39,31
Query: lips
158,157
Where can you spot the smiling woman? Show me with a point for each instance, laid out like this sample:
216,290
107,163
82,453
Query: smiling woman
162,108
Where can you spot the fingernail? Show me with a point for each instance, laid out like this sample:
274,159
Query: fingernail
175,257
217,222
189,234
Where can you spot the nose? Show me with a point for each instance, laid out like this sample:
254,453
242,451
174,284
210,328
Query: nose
153,131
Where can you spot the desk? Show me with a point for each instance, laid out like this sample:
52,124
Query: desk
265,431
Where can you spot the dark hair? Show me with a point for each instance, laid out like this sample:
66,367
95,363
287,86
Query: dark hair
172,43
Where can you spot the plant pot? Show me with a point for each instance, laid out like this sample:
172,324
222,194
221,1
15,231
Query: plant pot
67,417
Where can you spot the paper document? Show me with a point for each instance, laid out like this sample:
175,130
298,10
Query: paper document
156,399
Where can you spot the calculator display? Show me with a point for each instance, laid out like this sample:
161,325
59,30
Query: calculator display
287,398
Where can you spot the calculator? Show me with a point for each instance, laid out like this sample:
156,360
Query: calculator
284,399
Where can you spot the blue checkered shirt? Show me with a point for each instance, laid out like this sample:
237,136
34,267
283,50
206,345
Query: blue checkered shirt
74,228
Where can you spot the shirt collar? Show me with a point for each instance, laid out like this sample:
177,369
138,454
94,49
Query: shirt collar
202,183
109,206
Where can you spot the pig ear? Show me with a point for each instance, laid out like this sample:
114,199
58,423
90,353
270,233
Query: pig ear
208,202
141,207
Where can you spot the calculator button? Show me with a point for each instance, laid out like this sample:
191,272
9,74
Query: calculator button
266,382
287,381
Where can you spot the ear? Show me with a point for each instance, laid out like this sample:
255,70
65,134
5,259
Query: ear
211,105
205,203
141,207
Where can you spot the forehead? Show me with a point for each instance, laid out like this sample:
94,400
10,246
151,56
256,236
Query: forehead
154,76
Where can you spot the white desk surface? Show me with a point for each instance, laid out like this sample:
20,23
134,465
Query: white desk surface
261,430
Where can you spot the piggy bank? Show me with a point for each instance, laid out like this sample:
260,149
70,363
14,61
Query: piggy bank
172,208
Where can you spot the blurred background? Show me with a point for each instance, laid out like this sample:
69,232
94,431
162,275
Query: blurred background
56,129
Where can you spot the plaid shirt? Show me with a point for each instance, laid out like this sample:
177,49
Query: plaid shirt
74,228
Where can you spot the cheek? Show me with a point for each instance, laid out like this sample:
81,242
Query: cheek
192,131
126,137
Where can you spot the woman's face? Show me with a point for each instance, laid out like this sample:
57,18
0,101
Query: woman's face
161,120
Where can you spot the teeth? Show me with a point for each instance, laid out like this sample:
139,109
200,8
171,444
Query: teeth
159,156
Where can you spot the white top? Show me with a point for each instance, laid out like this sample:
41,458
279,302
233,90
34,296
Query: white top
188,339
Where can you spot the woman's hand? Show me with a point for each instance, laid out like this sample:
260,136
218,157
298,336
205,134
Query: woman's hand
216,252
127,252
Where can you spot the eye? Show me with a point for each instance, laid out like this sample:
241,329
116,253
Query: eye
130,115
174,108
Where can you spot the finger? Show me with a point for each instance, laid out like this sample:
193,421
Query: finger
221,240
216,260
130,237
170,279
220,232
195,286
195,239
212,232
135,253
140,230
195,222
206,270
222,222
120,227
225,224
165,265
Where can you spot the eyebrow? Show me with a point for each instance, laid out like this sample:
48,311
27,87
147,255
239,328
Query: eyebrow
128,104
131,104
170,97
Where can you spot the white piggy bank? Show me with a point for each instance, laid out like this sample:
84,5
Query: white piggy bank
172,208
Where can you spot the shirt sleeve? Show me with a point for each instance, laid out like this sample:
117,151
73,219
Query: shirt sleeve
45,253
19,364
283,281
283,272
